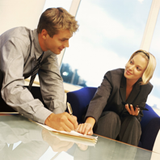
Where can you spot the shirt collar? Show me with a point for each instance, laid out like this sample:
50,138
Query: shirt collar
38,50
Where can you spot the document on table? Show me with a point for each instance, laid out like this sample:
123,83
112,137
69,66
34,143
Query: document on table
72,136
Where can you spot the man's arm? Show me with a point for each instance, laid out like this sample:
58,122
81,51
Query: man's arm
13,92
51,84
13,52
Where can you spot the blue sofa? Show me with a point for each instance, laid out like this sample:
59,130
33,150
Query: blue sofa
150,123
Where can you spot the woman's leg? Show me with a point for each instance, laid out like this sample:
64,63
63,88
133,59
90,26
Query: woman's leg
108,125
130,130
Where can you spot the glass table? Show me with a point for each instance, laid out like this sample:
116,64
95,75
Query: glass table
24,140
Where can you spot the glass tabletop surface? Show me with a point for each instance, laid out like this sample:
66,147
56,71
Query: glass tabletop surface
21,139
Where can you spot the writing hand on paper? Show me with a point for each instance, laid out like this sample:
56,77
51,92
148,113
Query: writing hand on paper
56,144
62,122
131,110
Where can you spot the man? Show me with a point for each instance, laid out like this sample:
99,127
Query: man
20,49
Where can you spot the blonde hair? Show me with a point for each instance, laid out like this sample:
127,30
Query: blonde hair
55,19
148,73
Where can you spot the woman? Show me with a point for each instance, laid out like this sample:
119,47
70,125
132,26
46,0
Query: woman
116,109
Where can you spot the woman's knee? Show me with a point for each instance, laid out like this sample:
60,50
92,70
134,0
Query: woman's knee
110,116
134,121
108,125
113,115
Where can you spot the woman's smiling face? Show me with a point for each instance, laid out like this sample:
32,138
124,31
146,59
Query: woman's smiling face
135,67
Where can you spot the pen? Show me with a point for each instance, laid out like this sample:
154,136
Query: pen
69,108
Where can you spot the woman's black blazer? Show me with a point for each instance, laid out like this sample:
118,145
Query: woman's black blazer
111,95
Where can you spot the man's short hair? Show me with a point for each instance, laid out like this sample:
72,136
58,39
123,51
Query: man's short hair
55,19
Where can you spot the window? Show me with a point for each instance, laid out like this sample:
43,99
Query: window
60,3
109,32
154,98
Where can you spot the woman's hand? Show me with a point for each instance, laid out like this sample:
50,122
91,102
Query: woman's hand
87,127
131,110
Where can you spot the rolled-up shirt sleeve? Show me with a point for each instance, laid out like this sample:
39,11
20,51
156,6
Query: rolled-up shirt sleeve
51,83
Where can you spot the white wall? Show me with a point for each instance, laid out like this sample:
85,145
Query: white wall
15,13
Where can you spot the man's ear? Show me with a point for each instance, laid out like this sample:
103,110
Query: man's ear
44,33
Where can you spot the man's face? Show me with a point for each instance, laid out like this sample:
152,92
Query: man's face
58,42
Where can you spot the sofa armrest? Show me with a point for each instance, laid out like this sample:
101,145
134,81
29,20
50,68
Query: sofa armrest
150,132
148,116
79,101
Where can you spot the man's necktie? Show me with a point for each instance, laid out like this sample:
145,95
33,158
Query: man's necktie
35,71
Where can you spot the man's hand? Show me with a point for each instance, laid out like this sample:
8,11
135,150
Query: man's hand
62,122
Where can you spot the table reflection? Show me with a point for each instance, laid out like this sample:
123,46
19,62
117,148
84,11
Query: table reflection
22,139
110,150
55,143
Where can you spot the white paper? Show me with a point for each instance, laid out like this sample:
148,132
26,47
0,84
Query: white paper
93,139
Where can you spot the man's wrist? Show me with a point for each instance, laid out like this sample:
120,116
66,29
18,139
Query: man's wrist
48,118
